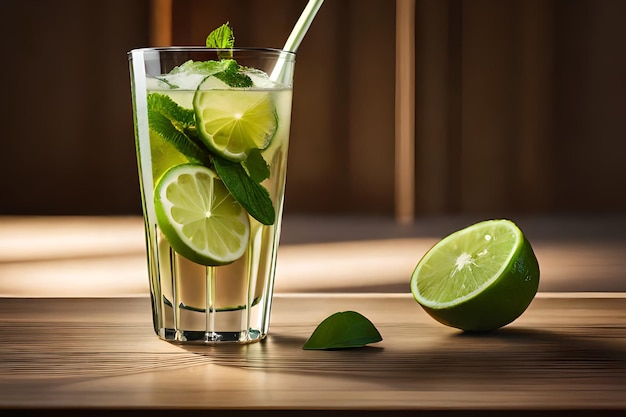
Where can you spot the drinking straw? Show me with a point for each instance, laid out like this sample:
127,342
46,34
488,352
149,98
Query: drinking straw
297,34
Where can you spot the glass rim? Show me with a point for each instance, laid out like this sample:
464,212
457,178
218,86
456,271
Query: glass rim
212,50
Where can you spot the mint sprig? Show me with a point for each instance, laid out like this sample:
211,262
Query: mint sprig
177,125
224,38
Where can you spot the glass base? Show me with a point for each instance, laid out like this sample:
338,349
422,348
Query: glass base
210,338
187,325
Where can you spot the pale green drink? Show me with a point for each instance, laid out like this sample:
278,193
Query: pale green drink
210,298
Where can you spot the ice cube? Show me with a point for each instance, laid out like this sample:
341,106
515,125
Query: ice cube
213,83
260,79
156,84
184,80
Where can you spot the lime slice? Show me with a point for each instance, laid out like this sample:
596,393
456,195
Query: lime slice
479,278
199,217
234,122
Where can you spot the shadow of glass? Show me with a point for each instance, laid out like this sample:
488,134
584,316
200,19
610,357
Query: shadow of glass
509,356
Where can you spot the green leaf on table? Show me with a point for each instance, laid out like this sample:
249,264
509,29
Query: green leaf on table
346,329
250,194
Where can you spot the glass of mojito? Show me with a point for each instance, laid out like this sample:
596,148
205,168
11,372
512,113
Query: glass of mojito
211,133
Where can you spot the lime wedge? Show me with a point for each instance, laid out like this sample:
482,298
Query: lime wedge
234,122
479,278
199,217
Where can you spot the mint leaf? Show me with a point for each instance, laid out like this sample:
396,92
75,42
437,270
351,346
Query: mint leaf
183,118
232,76
255,166
346,329
222,37
235,79
176,125
251,195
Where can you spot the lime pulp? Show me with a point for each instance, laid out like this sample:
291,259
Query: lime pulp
234,122
199,217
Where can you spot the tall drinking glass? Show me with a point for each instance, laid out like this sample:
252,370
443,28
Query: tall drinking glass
211,134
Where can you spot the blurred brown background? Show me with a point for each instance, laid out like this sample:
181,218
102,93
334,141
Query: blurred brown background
520,104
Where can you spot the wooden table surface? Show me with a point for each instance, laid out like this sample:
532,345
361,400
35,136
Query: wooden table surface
76,332
566,353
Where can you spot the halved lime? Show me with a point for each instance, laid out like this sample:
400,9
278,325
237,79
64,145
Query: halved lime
199,217
479,278
233,122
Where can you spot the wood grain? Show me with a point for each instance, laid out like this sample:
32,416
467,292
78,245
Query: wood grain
567,352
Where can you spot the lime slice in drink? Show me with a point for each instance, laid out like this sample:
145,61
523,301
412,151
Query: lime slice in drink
479,278
233,122
199,217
